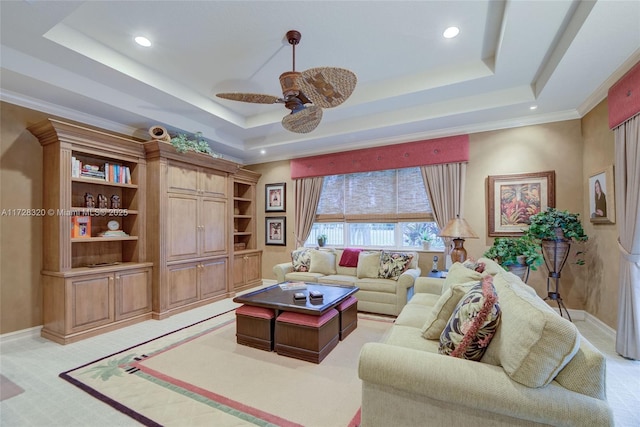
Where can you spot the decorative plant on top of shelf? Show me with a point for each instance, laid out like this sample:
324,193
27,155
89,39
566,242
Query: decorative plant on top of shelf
322,239
508,251
182,144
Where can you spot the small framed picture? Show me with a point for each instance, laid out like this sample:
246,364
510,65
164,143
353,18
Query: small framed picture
276,231
275,197
602,206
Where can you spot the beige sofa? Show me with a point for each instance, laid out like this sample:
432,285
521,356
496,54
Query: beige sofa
376,295
537,369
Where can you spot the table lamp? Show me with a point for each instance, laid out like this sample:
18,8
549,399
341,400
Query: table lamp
458,229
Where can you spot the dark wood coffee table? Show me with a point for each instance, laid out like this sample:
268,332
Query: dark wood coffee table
280,299
308,329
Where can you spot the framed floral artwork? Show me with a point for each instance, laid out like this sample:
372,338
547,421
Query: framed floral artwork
514,198
601,197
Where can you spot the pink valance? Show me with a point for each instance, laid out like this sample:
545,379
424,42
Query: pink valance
624,97
453,149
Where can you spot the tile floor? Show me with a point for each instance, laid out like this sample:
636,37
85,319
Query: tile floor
34,364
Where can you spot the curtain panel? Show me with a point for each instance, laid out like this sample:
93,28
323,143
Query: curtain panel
307,191
627,173
445,186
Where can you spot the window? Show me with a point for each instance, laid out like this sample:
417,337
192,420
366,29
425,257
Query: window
375,209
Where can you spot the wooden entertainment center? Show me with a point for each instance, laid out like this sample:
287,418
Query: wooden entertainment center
154,234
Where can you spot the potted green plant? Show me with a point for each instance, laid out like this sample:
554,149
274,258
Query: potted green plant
427,240
322,239
517,255
555,230
553,224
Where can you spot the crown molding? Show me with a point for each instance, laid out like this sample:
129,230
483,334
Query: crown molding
66,113
602,91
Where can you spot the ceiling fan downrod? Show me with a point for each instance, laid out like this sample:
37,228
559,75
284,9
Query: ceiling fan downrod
293,37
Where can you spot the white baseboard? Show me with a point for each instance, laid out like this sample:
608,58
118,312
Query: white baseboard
600,325
24,333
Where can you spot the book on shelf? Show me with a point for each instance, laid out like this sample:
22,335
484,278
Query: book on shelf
117,173
80,226
107,172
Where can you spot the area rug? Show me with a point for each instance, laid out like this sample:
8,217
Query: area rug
8,388
199,375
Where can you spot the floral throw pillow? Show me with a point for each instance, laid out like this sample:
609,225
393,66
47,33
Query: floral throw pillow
301,259
473,323
393,264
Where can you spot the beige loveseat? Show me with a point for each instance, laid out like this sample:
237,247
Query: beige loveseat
537,369
376,294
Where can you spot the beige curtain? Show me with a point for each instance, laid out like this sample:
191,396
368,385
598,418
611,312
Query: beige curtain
445,189
307,198
627,188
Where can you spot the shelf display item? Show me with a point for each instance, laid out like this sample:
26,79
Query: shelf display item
89,201
80,226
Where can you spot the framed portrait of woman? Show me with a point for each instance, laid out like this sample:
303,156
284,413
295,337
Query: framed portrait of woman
601,197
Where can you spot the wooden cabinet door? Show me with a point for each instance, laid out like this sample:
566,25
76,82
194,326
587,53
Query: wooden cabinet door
89,302
182,179
213,222
253,268
212,185
133,293
182,227
238,271
182,284
213,278
247,270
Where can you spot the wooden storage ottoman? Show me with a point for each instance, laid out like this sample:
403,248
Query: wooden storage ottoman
254,327
348,312
305,336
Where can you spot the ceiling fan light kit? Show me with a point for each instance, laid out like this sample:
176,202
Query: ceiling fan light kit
321,87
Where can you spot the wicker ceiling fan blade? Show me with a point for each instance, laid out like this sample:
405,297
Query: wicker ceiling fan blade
304,120
327,87
254,98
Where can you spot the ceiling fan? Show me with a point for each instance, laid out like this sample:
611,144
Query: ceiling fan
305,93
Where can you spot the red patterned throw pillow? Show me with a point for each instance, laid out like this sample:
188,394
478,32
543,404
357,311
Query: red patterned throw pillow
473,323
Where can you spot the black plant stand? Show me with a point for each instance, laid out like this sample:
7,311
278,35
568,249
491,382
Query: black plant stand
555,295
555,253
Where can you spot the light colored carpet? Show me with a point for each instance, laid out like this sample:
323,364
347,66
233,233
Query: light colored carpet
200,376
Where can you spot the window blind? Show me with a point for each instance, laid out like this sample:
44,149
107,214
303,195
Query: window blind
389,196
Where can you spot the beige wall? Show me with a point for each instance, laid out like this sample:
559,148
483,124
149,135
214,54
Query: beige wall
553,146
557,146
20,236
603,256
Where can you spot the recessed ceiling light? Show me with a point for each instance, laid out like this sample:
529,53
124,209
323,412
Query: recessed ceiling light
451,32
263,151
533,107
143,41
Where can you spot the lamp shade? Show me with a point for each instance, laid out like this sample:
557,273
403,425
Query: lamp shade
458,228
